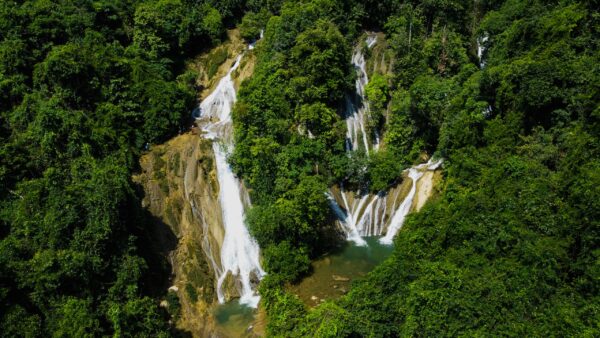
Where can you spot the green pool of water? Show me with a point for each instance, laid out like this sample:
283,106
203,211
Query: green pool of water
234,319
332,274
330,278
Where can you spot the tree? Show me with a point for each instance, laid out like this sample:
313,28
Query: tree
253,24
320,58
288,261
384,169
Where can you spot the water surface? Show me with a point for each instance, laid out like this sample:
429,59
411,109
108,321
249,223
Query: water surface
333,274
234,319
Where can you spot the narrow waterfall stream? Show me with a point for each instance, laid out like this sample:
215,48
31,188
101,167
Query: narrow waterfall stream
239,251
363,214
481,47
356,105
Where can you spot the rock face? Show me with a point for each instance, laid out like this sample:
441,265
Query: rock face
181,191
426,188
372,215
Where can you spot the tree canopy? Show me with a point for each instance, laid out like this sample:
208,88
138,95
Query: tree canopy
84,87
506,92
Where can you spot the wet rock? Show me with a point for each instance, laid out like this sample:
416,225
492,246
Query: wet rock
254,280
340,278
230,289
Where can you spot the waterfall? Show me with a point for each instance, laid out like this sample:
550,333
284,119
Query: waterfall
362,217
397,220
239,251
402,211
351,230
356,106
252,44
363,214
481,49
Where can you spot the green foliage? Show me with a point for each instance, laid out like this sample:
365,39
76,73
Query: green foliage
216,59
165,28
288,133
517,216
290,262
319,59
444,52
84,87
377,93
384,169
429,100
74,320
191,292
286,312
173,304
252,24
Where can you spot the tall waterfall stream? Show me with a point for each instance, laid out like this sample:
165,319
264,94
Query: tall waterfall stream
239,251
360,214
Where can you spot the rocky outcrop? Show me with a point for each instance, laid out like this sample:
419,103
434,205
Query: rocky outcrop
181,190
426,188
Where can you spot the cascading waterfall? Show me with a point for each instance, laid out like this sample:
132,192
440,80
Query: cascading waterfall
240,255
356,116
481,45
367,214
357,107
347,221
397,220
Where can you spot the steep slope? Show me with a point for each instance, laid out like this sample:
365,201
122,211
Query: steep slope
180,184
181,187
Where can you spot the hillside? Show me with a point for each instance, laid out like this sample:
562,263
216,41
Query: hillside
314,168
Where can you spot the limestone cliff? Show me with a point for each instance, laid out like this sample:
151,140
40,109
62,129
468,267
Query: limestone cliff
181,191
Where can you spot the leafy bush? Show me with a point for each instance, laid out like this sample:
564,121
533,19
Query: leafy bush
289,262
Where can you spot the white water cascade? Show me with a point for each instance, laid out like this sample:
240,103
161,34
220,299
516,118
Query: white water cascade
362,214
397,220
347,221
372,215
357,107
481,46
239,251
252,44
